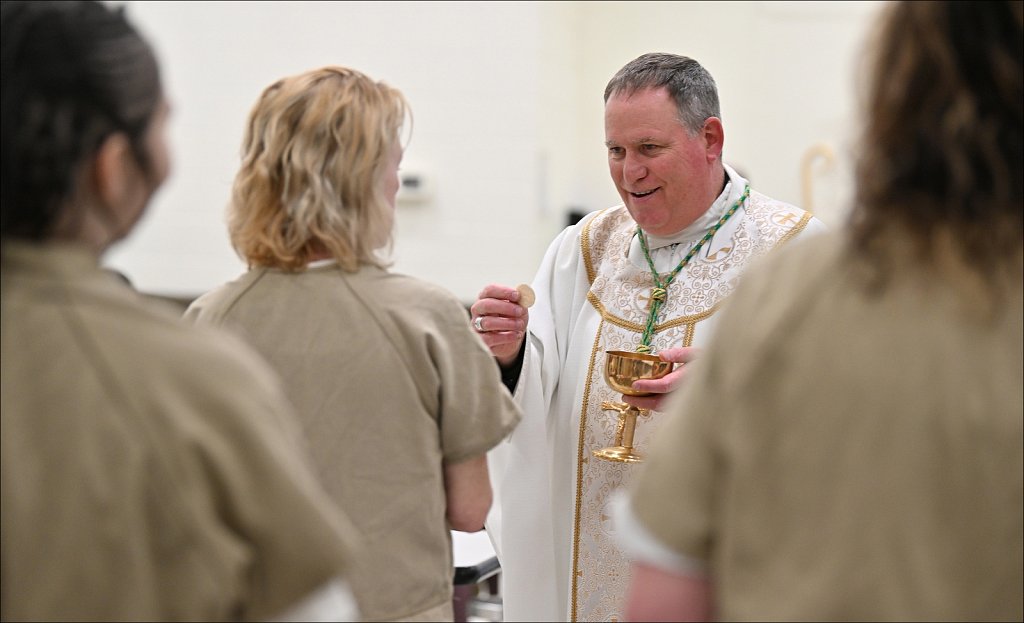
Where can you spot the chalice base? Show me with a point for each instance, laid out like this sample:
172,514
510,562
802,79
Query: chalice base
620,454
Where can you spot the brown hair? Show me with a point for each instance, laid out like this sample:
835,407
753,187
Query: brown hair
941,154
314,149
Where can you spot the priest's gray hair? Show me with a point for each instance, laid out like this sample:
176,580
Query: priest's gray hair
689,84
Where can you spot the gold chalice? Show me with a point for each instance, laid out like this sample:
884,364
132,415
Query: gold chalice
621,369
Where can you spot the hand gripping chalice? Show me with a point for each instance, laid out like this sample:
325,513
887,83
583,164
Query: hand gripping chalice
621,369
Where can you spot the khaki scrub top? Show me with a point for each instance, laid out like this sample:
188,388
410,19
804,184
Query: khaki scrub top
842,454
151,470
390,382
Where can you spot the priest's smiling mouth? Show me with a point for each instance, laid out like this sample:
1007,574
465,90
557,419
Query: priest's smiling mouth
644,194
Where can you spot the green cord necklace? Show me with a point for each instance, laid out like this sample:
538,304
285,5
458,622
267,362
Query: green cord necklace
660,291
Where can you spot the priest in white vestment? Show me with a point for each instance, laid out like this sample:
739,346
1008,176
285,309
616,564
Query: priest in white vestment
699,224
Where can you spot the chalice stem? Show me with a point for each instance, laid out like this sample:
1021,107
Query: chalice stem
620,427
624,435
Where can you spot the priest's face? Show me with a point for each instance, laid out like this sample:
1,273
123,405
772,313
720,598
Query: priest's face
666,176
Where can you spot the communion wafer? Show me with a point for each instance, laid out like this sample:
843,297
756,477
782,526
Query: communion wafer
526,295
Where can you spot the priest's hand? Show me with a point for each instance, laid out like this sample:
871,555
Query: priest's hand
500,319
662,388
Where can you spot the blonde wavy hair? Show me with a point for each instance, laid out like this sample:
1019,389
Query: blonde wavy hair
315,148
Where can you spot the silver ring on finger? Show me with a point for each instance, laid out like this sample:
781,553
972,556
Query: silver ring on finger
478,324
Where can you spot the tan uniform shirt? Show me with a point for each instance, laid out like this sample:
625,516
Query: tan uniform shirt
149,468
837,455
389,381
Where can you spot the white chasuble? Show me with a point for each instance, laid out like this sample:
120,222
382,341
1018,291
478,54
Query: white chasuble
550,522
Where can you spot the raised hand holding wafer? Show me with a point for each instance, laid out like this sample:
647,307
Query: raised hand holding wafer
500,316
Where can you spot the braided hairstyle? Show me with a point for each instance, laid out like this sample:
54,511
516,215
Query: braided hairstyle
73,74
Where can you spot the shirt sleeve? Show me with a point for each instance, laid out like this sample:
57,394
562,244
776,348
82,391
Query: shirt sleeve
332,602
637,542
476,409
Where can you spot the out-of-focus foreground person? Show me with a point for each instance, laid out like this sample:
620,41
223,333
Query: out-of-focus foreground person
150,469
399,398
849,447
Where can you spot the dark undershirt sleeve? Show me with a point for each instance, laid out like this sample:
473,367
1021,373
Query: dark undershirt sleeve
510,374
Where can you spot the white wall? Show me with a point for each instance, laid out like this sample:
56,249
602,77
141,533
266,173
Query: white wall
508,114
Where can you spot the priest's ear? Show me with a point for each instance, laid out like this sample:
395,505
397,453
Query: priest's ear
713,134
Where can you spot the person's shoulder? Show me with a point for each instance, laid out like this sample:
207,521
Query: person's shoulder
409,285
760,203
406,293
212,306
778,221
779,288
155,347
804,260
613,218
601,231
809,252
